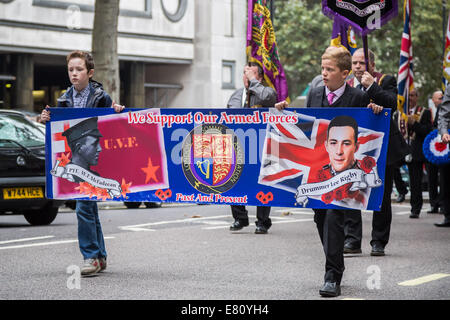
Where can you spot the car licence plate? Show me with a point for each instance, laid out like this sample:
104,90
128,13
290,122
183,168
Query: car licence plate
23,193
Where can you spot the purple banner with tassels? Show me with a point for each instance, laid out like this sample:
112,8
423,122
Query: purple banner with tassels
364,16
262,47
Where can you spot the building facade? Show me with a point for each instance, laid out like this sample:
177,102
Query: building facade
172,53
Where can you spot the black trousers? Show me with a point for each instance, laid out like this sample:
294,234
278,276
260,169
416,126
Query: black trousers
353,228
330,225
415,169
436,197
262,215
381,220
445,177
400,185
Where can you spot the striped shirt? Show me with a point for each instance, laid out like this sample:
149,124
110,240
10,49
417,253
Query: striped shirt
80,98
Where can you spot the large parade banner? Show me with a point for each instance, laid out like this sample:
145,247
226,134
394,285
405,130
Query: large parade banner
313,158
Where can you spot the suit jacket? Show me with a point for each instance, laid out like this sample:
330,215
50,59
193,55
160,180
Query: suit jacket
351,98
383,92
421,129
260,96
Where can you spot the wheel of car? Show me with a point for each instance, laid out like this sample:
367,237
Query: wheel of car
41,217
152,204
132,205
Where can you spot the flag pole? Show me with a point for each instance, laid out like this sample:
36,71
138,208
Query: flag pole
444,26
366,51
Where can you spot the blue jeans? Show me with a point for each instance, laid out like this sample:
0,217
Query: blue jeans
90,236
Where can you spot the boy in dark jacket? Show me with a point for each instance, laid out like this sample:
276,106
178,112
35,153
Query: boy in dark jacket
86,93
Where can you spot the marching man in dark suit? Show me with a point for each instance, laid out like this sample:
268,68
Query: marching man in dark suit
433,171
253,95
443,127
382,90
419,126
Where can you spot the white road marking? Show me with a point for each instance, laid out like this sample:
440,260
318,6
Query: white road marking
203,220
292,221
284,220
424,279
143,227
44,244
402,213
401,205
26,239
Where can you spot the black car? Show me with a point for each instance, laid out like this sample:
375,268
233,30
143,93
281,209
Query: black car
22,170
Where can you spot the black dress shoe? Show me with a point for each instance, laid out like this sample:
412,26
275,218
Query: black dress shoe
330,289
238,225
261,230
377,250
433,210
414,216
445,224
400,198
351,250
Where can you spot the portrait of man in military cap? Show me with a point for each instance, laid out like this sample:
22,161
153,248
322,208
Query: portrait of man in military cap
83,139
84,142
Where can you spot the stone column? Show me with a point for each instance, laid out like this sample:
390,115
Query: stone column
136,86
24,82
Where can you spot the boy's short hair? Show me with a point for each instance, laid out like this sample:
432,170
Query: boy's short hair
86,56
340,55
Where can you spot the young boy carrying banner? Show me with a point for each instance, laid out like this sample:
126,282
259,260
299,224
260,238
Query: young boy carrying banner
86,93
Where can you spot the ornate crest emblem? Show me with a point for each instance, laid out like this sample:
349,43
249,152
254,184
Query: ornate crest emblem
212,158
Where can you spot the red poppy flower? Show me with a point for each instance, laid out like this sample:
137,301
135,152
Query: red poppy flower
367,164
327,198
323,175
339,194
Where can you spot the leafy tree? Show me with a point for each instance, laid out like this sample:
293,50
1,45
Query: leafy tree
303,33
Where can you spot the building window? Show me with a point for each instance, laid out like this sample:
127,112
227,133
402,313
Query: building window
228,18
228,74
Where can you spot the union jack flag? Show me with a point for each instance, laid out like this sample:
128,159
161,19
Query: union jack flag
294,154
405,71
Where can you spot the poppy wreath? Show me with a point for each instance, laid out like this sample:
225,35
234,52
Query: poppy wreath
435,151
339,194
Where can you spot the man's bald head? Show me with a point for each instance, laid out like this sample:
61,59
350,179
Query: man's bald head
437,97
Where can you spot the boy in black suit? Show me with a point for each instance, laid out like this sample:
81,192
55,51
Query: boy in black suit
336,65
